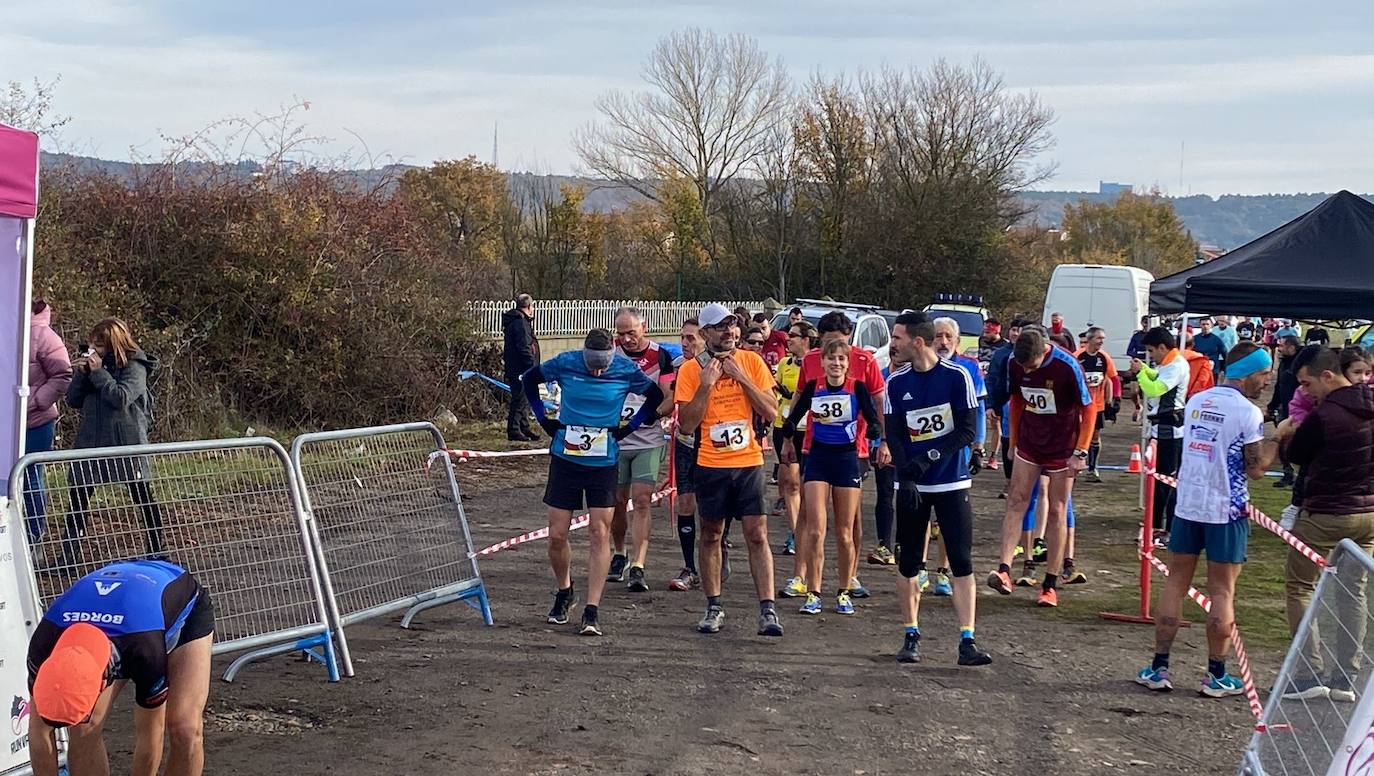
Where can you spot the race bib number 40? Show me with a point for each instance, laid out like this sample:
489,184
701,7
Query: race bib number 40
1039,400
832,409
930,422
586,441
732,436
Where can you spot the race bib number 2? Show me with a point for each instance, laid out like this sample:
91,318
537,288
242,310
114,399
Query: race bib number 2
633,402
930,422
1039,400
586,441
732,436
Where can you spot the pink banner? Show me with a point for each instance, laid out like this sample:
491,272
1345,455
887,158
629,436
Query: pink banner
18,173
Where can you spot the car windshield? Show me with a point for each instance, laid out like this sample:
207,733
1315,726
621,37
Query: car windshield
970,323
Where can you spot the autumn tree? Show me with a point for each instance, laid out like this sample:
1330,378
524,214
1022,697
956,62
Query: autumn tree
1139,230
465,200
834,153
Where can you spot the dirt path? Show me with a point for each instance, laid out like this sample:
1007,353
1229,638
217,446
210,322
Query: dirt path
654,697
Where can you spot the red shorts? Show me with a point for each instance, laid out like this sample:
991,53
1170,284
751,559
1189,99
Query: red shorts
1047,465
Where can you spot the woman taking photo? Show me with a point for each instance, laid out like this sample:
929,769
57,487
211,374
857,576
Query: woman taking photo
50,372
837,409
110,388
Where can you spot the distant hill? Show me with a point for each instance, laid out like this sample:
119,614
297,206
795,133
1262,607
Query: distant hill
1228,221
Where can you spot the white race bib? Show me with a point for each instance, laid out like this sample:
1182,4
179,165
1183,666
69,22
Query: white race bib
1094,379
633,402
1039,400
930,422
832,409
732,435
586,441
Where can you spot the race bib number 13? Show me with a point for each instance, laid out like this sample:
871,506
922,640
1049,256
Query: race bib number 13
732,436
1039,400
930,422
585,441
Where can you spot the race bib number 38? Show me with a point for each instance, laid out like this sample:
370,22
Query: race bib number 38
832,409
1039,400
733,435
586,441
930,422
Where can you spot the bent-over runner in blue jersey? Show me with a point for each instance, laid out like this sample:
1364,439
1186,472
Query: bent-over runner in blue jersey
591,407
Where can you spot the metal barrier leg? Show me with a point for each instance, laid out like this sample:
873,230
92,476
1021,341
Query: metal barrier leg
466,596
319,641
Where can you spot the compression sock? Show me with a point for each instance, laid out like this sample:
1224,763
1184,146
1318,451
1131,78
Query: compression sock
1161,661
1216,666
1094,450
589,611
1051,582
1004,568
966,633
712,600
765,606
687,537
912,629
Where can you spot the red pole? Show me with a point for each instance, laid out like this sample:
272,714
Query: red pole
1147,544
672,470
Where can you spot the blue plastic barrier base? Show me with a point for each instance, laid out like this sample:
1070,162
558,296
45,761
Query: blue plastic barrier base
319,648
475,597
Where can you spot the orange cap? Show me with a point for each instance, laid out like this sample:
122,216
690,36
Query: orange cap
70,681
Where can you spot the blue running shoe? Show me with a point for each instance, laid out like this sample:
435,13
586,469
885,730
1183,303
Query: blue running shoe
1154,678
789,547
856,588
1221,687
812,604
923,580
943,588
843,605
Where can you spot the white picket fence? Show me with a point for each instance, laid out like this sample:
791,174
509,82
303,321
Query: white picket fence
573,317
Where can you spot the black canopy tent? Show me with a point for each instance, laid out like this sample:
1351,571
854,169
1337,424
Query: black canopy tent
1319,266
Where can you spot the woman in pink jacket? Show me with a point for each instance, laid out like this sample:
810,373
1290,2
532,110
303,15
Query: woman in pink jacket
50,372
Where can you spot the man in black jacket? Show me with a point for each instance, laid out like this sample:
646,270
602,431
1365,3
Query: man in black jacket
520,354
998,391
1285,386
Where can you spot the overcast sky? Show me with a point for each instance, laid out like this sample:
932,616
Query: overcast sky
1254,97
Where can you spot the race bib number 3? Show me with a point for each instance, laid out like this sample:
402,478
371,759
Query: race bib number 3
930,422
585,441
732,436
1039,400
832,409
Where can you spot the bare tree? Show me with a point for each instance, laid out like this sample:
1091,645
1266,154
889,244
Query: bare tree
835,152
711,105
31,108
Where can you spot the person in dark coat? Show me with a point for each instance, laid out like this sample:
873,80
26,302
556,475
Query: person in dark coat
521,353
110,389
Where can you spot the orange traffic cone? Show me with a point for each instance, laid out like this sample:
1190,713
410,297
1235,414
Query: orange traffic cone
1134,468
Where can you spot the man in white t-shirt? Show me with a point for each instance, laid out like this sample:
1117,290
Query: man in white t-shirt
1223,444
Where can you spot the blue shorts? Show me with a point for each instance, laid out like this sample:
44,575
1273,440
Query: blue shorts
1223,542
1032,517
839,468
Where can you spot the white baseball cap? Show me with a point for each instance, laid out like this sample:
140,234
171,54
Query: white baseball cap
712,314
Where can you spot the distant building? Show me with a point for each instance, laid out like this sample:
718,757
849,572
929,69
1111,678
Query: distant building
1114,189
1207,252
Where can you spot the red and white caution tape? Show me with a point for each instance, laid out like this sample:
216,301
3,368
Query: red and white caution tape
463,456
578,522
1242,662
1265,521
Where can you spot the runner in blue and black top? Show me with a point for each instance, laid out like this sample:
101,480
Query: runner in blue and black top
931,414
146,622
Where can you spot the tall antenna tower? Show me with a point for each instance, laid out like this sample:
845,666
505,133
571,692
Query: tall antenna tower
495,160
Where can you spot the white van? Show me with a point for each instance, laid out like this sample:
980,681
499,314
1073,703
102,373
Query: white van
1112,297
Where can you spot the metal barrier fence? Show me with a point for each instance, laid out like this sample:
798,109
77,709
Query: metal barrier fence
228,511
571,317
391,528
1318,717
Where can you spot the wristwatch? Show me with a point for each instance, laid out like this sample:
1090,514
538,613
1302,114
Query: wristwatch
1080,453
933,455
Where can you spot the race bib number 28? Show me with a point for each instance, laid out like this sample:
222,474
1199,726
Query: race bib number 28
732,436
585,441
930,422
1039,400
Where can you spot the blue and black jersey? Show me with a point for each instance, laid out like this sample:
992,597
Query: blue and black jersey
834,414
932,410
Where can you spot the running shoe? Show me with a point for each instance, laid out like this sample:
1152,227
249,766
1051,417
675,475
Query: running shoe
794,588
843,605
1306,690
1154,678
1341,691
857,589
711,621
970,654
1093,476
1018,552
1041,552
812,604
1286,481
911,649
943,588
993,462
1000,581
1027,578
637,583
1047,598
685,580
562,602
1289,516
922,580
1073,576
1221,687
1161,540
882,556
769,624
789,547
725,563
1002,495
617,572
590,627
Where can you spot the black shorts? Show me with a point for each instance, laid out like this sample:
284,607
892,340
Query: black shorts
684,468
569,482
798,439
200,622
839,468
1101,421
726,493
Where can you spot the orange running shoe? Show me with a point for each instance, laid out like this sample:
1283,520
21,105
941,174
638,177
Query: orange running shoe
1048,597
1000,581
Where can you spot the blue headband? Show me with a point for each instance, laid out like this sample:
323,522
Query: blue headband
1257,361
